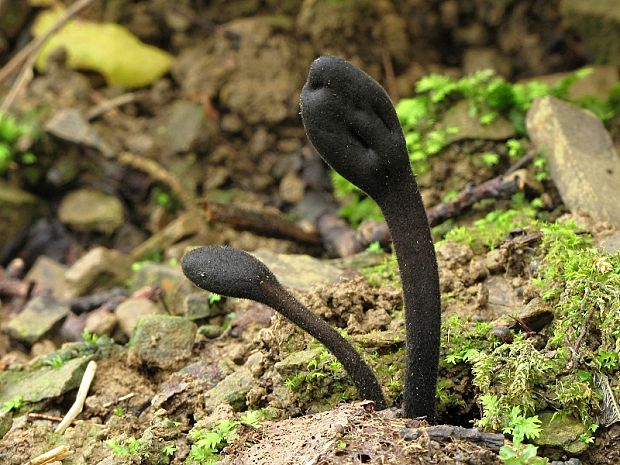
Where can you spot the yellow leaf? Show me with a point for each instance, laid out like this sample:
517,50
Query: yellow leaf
107,48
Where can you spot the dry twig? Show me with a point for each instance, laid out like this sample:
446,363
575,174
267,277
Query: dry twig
56,454
28,55
76,408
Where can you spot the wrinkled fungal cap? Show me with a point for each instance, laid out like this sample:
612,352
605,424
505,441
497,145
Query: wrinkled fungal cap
226,271
351,122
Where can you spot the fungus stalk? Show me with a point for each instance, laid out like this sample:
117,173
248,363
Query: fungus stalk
351,122
234,273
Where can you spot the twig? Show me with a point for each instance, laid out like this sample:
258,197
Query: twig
272,224
43,416
119,400
159,173
54,455
447,432
106,105
77,406
28,55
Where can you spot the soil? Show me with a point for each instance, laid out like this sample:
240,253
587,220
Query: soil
243,64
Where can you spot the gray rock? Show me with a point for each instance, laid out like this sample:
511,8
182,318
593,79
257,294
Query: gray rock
611,244
469,127
231,390
71,126
170,278
42,383
296,362
18,209
292,188
129,312
101,322
163,341
561,431
99,268
196,306
184,126
300,272
597,22
48,276
582,160
6,421
39,317
88,210
502,298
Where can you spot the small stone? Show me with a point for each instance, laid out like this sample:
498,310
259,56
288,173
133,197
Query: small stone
296,362
6,421
292,188
231,390
99,268
101,322
163,341
39,317
71,126
561,431
230,122
502,296
481,58
18,209
300,272
469,127
185,126
197,306
129,312
48,276
170,278
42,383
88,210
582,159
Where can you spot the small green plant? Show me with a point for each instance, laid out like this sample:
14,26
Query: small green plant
119,411
207,444
14,404
11,132
55,361
90,338
125,449
169,450
214,298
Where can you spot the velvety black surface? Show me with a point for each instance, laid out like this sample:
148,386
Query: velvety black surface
226,271
235,273
352,123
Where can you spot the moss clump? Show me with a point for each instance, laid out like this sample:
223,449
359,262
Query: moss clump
566,367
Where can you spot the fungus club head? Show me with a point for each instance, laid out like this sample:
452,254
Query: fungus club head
351,122
227,271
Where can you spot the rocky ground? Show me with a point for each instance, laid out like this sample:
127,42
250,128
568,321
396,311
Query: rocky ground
125,178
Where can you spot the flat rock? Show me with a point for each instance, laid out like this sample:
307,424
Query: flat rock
197,306
18,209
582,160
469,127
170,278
40,316
48,276
597,22
70,125
231,390
97,269
6,421
300,272
561,431
42,383
129,312
503,298
163,341
88,210
184,127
